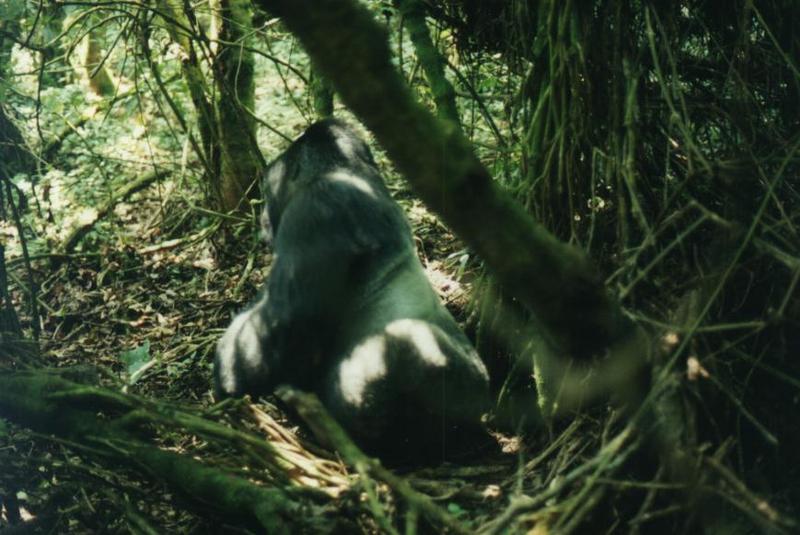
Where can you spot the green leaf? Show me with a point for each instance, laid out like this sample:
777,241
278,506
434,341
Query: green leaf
136,360
12,9
455,510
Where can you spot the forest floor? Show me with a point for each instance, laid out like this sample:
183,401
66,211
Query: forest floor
140,303
142,313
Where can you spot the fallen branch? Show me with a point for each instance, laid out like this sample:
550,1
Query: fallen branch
328,430
108,423
51,148
78,233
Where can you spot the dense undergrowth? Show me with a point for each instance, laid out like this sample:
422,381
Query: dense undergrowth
669,151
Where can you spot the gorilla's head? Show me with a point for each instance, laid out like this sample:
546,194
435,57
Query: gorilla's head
325,147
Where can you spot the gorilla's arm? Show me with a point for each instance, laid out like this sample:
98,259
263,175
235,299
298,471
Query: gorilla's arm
281,337
239,364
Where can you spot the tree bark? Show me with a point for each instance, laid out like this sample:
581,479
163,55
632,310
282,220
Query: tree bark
176,23
321,93
233,73
14,154
100,80
413,12
15,157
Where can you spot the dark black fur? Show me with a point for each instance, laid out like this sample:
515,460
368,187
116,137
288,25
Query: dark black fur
347,311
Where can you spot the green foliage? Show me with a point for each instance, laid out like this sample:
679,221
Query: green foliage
455,510
12,10
136,360
661,137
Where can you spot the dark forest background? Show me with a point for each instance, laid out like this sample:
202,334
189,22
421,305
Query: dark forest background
604,194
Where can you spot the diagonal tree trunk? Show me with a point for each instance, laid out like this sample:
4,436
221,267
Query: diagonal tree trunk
554,280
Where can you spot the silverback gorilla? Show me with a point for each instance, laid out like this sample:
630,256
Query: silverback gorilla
347,311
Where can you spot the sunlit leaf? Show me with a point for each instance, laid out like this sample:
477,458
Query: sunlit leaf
136,360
